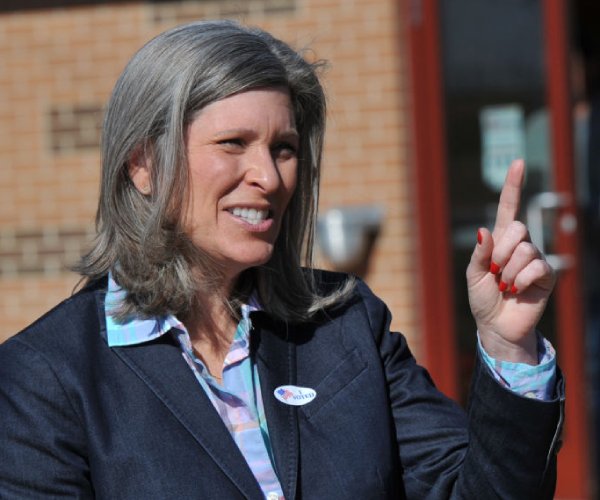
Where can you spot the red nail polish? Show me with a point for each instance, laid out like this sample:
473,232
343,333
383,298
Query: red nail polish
502,286
513,289
479,236
494,268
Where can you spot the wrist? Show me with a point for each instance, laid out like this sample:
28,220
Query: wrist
521,350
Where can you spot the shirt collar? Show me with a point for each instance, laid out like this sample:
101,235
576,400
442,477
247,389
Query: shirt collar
134,330
240,347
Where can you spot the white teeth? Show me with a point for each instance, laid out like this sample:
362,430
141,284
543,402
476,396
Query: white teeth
250,215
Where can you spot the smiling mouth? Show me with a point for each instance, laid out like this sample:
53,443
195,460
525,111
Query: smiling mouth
250,215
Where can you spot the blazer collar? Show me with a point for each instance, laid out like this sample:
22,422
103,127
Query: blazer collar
276,361
161,367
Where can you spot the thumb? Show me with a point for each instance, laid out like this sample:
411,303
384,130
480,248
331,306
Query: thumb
481,257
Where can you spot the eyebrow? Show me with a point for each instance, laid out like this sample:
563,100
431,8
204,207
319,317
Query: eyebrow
291,132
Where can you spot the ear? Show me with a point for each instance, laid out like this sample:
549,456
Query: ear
139,170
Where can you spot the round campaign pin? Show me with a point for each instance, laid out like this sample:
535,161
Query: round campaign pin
294,395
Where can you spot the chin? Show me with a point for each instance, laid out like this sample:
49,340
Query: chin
254,259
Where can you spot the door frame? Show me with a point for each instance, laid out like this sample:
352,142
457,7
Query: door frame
430,162
428,148
574,458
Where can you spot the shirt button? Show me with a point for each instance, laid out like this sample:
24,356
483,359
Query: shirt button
273,495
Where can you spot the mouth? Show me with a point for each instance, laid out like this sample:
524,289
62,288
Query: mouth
251,216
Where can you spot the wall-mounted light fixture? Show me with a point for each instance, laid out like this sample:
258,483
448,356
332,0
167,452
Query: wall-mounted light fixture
345,236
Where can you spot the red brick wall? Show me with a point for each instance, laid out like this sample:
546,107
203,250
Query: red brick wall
58,67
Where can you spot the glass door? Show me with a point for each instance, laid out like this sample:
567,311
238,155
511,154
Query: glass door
505,69
495,110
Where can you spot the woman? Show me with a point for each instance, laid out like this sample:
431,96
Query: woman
202,361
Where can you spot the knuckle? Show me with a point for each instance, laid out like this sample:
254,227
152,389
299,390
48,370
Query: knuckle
528,250
518,229
549,269
541,267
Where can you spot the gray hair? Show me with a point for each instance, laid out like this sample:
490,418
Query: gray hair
140,238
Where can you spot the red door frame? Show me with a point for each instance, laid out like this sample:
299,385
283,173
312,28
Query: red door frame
429,160
573,460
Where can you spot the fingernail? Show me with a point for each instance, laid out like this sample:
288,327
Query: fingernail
479,236
502,286
513,289
494,268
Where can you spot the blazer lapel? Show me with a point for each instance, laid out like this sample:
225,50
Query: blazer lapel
276,362
160,365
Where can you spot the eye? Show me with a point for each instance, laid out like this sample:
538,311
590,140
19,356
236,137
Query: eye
232,142
285,150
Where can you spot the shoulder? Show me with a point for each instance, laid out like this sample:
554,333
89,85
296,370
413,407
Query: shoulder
360,297
358,312
329,281
62,326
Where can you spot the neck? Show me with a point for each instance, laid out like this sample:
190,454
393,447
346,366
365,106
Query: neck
211,325
210,317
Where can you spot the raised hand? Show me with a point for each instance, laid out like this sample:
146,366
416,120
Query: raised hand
508,280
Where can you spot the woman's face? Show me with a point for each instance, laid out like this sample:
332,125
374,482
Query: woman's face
242,158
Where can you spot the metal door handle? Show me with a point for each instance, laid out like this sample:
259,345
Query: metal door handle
535,221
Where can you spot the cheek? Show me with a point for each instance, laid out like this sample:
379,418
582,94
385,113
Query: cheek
290,188
290,181
199,208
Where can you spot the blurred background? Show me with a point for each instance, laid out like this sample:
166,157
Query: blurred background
429,100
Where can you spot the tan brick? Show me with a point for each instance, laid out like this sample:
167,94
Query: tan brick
71,57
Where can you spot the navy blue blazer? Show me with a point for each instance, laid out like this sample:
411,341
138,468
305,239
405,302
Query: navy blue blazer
82,420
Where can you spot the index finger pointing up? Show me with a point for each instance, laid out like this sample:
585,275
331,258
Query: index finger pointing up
510,197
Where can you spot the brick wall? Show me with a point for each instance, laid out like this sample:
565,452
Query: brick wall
58,66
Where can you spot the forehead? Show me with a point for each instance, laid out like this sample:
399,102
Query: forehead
262,106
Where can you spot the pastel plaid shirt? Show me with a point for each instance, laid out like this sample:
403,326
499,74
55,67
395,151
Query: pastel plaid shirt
238,400
531,381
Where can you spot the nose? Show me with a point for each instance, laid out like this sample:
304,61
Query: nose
263,171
